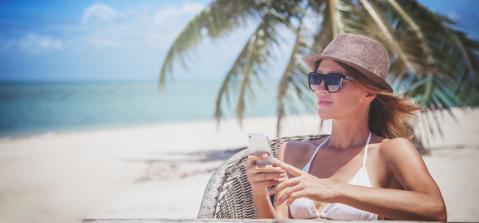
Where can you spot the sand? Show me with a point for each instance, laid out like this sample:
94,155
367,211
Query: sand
161,171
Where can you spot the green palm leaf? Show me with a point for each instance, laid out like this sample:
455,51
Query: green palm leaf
435,57
215,21
292,87
253,60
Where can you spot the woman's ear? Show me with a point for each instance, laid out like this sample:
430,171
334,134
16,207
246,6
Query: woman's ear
370,96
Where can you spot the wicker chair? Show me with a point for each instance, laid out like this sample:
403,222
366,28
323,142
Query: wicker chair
228,193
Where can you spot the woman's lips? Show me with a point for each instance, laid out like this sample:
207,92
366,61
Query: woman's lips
322,103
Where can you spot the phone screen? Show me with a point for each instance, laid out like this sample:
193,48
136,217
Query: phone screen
259,144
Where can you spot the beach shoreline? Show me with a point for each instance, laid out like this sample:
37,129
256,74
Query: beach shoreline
143,171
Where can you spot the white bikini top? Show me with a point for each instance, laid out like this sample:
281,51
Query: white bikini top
305,208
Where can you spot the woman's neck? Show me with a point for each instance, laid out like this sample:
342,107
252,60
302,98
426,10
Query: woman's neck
349,132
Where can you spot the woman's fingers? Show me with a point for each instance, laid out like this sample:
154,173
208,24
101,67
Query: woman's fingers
251,160
267,176
285,184
265,169
288,168
269,169
257,174
294,195
269,183
288,193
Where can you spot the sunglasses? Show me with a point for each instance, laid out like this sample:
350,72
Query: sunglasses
332,81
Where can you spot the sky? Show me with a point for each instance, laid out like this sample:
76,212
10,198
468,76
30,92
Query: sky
127,40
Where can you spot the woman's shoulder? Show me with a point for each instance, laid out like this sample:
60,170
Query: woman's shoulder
298,146
398,142
397,147
298,152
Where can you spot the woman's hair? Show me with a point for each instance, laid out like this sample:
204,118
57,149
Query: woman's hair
389,114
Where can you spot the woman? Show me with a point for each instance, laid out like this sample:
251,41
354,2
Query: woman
367,169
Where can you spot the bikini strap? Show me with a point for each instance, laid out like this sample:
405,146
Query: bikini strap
366,150
306,167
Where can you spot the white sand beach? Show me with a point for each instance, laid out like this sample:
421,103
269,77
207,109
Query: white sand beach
161,171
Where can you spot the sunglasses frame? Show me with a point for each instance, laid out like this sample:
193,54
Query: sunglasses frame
322,77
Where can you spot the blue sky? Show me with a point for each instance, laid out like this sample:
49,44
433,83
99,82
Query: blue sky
126,40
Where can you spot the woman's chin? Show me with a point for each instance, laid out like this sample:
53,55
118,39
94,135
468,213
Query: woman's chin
323,115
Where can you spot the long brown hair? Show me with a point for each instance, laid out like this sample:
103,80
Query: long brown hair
389,114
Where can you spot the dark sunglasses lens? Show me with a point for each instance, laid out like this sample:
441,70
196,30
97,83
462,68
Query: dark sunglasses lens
333,82
314,80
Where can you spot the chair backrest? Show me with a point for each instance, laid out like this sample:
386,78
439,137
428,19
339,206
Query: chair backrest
228,193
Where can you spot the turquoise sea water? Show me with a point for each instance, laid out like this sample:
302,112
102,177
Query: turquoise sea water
38,107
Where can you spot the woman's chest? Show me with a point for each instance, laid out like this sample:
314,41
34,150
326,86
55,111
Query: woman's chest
353,167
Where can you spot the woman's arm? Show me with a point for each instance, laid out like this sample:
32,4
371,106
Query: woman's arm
282,210
422,199
262,203
260,178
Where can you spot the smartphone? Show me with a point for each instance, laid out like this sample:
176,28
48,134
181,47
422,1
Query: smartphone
259,144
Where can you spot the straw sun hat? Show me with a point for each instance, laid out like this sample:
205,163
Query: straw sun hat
363,53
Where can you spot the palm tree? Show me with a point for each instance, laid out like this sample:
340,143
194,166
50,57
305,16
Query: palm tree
431,61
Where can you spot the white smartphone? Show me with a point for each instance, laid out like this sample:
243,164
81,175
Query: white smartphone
259,144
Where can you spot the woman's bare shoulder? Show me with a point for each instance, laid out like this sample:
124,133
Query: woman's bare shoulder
391,147
297,153
400,151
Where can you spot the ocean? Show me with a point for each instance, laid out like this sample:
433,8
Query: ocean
36,107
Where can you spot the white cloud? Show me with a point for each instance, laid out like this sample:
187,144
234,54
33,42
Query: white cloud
101,42
167,12
452,15
33,44
134,27
98,12
192,8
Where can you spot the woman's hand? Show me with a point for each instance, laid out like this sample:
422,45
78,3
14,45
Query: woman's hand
262,177
303,184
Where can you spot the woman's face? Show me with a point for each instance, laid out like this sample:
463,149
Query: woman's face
348,101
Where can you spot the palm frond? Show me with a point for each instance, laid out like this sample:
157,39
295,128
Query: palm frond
443,64
253,59
388,36
342,16
324,33
336,25
430,64
453,56
288,79
216,20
